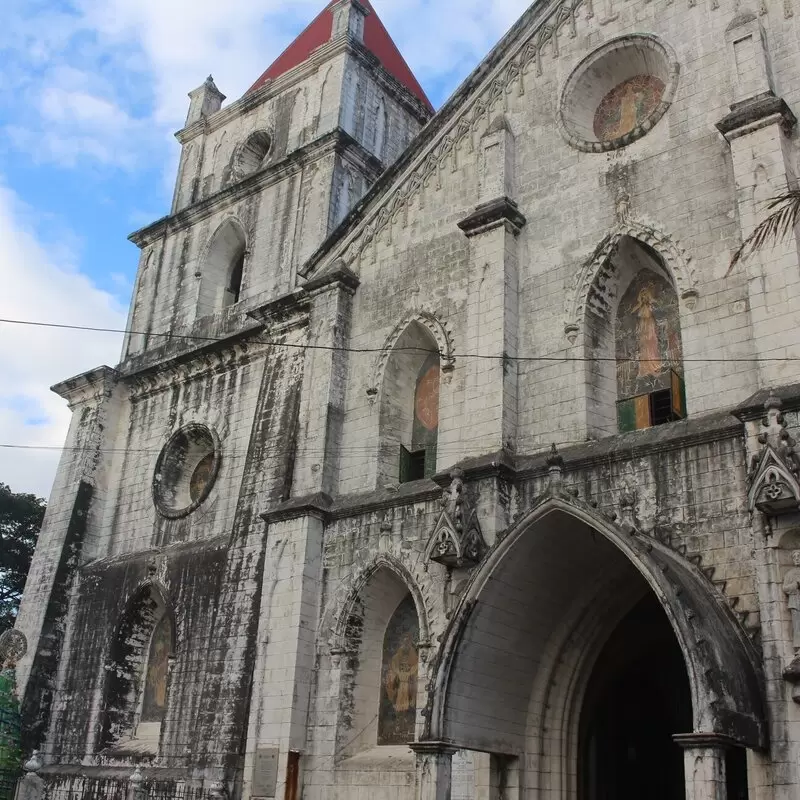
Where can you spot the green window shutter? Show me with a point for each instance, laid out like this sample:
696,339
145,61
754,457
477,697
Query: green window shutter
405,465
626,415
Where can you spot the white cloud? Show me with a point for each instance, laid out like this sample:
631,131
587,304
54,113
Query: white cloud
41,282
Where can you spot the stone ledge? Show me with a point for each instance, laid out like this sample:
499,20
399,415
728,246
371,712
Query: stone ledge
488,216
756,113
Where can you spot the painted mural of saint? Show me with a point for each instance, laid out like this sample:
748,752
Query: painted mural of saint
647,334
155,687
401,676
398,704
627,105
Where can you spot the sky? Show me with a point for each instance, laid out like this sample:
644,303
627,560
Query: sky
91,93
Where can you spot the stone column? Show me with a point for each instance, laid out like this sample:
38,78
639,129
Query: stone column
434,770
704,763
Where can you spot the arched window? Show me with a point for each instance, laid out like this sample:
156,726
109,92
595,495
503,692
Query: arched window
381,124
380,674
137,675
634,364
223,269
409,419
397,713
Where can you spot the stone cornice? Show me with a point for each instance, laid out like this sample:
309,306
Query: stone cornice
496,213
87,386
714,741
339,278
335,141
752,115
314,505
752,409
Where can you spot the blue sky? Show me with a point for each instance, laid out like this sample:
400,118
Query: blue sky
91,92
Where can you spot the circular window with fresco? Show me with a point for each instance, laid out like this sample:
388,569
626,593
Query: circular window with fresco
618,93
186,471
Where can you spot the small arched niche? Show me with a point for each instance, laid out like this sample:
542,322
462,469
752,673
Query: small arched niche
635,374
223,269
137,675
380,675
409,411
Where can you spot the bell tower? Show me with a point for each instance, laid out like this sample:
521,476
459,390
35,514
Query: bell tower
262,181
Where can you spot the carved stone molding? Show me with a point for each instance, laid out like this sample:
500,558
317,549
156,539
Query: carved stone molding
457,540
441,335
587,286
774,480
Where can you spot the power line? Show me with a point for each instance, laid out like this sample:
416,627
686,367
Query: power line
243,453
553,358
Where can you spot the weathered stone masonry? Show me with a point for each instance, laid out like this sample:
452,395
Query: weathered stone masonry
464,420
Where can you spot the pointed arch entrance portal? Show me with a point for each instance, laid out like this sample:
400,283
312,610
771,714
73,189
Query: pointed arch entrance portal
593,663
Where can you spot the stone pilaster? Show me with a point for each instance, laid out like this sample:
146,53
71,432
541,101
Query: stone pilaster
80,481
492,322
434,770
322,413
704,764
286,647
757,130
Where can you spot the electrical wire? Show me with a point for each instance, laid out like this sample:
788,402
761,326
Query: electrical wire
552,358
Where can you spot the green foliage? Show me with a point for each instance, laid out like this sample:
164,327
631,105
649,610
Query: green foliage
21,518
784,214
10,727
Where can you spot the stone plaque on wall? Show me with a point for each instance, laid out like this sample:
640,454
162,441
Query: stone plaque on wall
265,772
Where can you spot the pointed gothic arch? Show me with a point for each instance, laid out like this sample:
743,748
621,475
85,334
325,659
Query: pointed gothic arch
589,279
380,642
410,369
137,670
630,303
222,267
556,563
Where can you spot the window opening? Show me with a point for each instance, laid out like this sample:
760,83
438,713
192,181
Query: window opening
419,461
233,291
397,713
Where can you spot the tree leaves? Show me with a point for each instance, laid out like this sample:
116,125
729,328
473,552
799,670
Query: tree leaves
21,518
784,214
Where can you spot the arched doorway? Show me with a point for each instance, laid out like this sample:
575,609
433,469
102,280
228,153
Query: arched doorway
638,696
580,650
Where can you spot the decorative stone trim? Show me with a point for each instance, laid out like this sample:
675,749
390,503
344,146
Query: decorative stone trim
578,84
585,283
774,480
751,115
457,540
491,215
441,335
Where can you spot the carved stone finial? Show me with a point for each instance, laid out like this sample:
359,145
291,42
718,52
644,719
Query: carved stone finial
627,505
775,473
555,469
13,646
34,763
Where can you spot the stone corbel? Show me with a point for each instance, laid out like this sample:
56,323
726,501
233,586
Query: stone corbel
491,215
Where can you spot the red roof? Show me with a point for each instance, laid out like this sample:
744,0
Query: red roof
376,40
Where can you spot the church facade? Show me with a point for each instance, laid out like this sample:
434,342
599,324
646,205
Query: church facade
450,456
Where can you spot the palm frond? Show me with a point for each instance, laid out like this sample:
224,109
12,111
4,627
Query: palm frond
783,216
